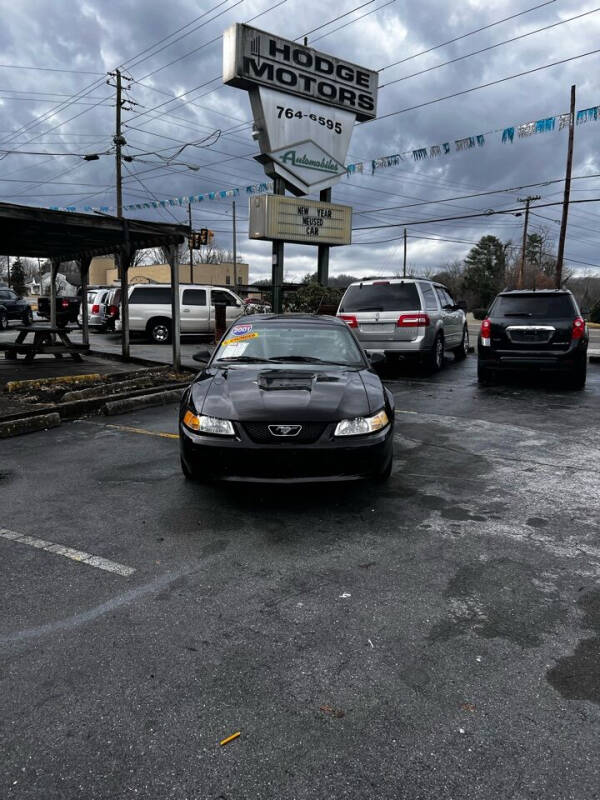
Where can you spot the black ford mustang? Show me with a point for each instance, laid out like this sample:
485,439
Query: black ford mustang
287,398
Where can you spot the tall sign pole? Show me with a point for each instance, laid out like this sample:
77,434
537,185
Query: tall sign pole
565,209
404,259
305,103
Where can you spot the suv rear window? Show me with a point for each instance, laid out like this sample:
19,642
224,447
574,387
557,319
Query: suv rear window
382,297
540,306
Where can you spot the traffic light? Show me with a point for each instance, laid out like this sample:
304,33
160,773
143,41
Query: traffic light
202,237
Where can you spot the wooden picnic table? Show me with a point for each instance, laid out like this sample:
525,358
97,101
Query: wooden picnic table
46,340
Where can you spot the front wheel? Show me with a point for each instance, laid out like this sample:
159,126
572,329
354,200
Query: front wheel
462,351
191,474
384,475
160,331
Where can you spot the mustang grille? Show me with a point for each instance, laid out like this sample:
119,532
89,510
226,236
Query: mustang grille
259,432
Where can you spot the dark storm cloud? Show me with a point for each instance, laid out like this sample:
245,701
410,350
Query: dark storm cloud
96,36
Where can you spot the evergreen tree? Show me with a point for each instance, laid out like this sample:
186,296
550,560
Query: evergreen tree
17,277
484,270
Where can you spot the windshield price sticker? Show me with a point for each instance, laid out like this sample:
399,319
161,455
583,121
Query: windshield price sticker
234,350
242,338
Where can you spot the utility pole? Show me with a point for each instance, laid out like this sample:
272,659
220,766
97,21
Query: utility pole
235,280
119,142
525,200
565,210
190,242
404,264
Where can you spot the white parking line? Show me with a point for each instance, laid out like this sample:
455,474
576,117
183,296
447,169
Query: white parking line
68,552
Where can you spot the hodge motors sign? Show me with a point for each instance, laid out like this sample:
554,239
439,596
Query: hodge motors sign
252,57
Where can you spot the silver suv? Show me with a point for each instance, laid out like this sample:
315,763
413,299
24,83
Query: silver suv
406,317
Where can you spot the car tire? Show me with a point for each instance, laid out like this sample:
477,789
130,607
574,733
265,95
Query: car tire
577,376
462,351
3,320
435,358
28,317
159,330
484,375
191,475
384,475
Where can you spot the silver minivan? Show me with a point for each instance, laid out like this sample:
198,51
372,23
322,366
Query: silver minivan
406,317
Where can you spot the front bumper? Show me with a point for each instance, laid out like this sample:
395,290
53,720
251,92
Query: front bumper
328,459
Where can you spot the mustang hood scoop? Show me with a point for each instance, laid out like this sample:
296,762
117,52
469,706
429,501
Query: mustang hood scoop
277,379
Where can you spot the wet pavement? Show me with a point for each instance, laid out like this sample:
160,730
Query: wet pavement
437,637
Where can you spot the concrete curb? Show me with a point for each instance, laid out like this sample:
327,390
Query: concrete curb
142,401
15,386
29,424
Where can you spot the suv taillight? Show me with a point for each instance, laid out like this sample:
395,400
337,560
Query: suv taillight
486,332
95,308
413,320
64,303
578,329
113,311
349,319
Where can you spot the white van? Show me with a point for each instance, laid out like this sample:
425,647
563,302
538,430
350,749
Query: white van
150,309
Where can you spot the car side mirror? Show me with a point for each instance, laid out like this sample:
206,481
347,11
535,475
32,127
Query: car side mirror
203,356
376,358
461,304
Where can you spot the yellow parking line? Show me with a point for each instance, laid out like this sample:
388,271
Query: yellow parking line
143,430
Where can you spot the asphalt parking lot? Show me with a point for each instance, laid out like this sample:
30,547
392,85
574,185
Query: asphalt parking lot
437,637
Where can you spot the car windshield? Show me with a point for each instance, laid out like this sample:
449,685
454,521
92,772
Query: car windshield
292,342
381,297
540,306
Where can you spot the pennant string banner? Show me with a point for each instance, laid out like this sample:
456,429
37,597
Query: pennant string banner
524,130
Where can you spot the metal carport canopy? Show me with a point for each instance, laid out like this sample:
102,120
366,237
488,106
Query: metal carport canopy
70,236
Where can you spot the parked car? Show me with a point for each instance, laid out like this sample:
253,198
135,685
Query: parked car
95,300
287,398
67,309
150,309
541,330
13,307
412,318
110,309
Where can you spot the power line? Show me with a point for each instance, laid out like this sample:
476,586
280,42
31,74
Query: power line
50,69
488,213
482,86
465,35
490,47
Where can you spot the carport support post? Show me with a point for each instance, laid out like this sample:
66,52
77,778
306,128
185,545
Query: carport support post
175,307
84,267
124,255
323,254
55,264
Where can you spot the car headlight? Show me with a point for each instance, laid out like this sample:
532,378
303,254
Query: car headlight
202,424
361,425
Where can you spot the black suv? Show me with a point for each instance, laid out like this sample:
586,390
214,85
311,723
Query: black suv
13,307
534,330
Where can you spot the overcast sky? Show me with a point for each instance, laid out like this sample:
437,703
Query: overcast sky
70,111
